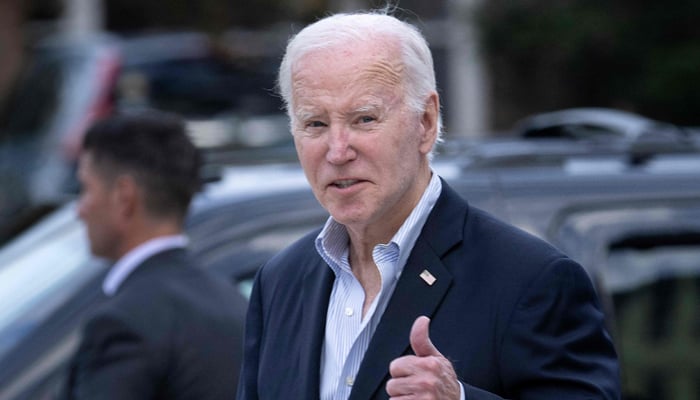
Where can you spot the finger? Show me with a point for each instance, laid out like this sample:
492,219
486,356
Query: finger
396,388
420,338
403,366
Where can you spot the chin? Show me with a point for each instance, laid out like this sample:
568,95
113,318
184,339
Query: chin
348,218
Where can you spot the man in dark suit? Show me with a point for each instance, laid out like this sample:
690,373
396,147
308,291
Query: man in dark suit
407,291
166,329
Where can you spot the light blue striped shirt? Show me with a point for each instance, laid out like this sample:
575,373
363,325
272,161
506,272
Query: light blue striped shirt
347,333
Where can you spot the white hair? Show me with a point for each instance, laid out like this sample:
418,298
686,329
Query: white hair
339,29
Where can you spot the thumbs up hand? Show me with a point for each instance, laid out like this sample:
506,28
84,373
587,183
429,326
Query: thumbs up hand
427,375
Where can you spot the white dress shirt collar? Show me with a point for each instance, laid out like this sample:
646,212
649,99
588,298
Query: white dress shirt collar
134,258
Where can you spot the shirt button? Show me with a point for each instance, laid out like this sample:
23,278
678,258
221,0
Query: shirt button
349,381
349,311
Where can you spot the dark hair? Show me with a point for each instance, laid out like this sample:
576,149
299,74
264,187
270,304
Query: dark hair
154,148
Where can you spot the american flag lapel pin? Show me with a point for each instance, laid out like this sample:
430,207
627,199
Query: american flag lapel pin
428,277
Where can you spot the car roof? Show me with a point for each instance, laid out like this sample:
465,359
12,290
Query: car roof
623,123
557,152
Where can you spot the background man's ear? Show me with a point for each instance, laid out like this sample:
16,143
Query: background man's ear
127,195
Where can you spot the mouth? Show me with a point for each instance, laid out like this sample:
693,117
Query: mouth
344,183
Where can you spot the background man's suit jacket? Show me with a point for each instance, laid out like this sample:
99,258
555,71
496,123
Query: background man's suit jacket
170,332
518,319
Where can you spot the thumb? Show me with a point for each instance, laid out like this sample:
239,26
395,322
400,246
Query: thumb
420,338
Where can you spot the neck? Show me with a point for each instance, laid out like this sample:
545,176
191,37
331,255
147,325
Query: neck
142,233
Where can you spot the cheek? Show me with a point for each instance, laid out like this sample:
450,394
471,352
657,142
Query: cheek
298,144
83,206
310,151
89,205
305,159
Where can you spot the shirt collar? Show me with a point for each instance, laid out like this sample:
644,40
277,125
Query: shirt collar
135,257
332,242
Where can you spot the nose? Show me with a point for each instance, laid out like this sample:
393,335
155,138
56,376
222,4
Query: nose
340,149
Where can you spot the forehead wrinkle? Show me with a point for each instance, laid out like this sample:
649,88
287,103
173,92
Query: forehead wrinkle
368,79
384,72
299,87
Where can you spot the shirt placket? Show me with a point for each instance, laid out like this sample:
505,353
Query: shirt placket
352,328
362,329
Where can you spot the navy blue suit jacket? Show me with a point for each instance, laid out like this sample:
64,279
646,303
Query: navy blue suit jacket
518,319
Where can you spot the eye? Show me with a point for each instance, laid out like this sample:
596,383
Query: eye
365,119
311,128
315,124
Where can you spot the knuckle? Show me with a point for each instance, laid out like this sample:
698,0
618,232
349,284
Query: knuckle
432,363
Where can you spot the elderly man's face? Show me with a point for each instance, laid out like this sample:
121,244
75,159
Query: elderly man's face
364,151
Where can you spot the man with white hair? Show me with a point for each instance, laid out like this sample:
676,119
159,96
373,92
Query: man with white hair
407,292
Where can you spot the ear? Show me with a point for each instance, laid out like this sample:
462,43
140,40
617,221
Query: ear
126,195
429,122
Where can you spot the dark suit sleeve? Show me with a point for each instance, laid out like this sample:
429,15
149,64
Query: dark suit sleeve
112,362
556,346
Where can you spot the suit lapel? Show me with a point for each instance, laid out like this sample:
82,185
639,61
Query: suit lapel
318,283
413,296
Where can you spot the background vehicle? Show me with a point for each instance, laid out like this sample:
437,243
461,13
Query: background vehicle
594,214
71,82
227,97
597,124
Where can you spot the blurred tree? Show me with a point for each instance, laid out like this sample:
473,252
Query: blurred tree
641,55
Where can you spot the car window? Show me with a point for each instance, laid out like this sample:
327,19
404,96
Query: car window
654,281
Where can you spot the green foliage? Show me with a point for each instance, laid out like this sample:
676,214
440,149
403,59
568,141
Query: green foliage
637,54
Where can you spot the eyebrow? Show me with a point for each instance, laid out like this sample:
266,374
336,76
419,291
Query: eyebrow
372,106
304,113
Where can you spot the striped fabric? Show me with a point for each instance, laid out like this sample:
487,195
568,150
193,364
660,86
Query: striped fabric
347,333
